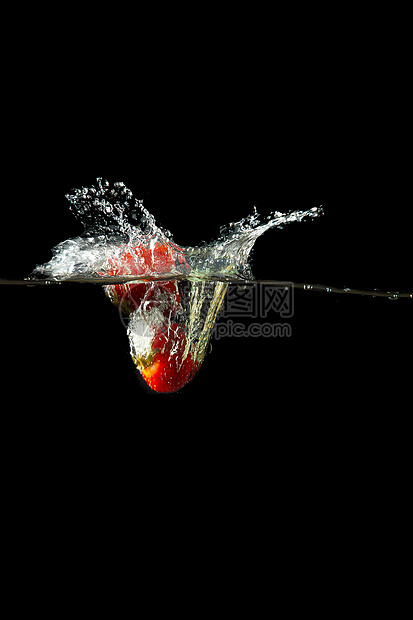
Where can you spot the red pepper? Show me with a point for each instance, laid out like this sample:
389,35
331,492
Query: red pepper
166,365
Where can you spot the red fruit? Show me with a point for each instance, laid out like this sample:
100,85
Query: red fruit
142,261
130,297
165,369
161,360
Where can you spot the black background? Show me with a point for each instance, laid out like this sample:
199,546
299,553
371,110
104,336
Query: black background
286,460
315,427
301,442
347,354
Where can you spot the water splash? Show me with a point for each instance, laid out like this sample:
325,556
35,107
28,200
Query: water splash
116,224
170,295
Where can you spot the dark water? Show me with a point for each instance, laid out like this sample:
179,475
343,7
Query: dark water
67,334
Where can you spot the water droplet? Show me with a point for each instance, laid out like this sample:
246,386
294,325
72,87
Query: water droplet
393,296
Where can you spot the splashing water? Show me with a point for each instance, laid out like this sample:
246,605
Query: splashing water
169,325
170,296
106,212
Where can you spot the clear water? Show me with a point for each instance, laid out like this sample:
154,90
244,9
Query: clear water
114,222
184,286
116,225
